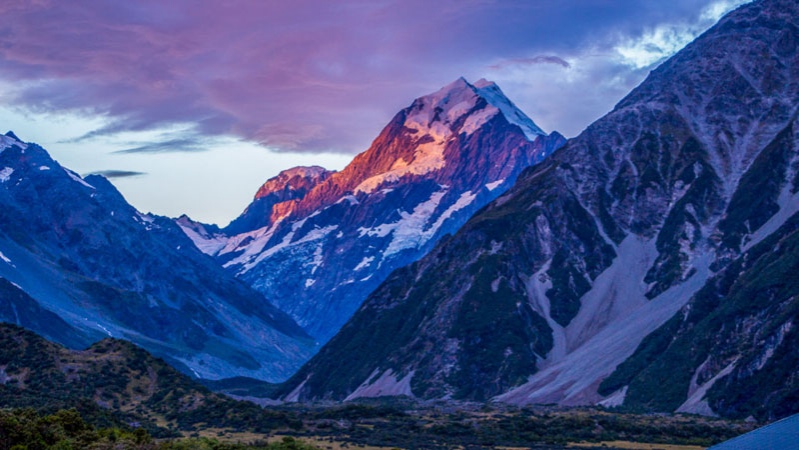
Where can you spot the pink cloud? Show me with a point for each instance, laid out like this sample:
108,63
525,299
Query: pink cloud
303,75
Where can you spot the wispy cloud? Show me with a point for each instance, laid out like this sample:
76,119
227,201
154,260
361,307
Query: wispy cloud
541,59
172,145
118,173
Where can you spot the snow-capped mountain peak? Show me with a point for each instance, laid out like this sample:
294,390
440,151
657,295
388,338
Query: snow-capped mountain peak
458,108
296,178
438,114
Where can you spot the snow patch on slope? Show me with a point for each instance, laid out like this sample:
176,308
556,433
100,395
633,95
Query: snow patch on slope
316,234
5,174
412,230
364,263
615,399
478,119
317,257
409,231
427,158
77,178
616,292
464,200
386,385
8,142
6,259
537,286
208,244
251,243
294,395
494,184
348,198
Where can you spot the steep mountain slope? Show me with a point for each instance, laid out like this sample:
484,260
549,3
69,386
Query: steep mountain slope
318,242
117,381
733,348
630,227
77,249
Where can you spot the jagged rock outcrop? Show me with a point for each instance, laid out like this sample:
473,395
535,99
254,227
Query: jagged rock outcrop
272,200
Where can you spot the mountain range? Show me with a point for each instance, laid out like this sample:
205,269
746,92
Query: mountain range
649,263
78,263
318,242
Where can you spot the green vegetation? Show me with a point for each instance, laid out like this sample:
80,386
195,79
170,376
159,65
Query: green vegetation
699,202
406,425
585,254
114,395
113,383
738,317
568,286
25,429
647,352
499,333
755,199
434,427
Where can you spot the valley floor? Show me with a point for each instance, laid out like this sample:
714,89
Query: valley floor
403,424
388,424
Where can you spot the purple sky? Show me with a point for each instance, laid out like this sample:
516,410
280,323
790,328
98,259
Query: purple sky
308,81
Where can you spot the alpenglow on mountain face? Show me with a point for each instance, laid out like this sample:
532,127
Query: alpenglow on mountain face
78,263
317,242
650,262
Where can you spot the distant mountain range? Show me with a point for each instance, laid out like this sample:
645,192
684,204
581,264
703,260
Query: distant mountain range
651,262
318,242
78,263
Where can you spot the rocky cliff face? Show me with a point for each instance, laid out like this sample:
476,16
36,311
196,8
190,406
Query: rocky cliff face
276,197
650,222
74,249
319,248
